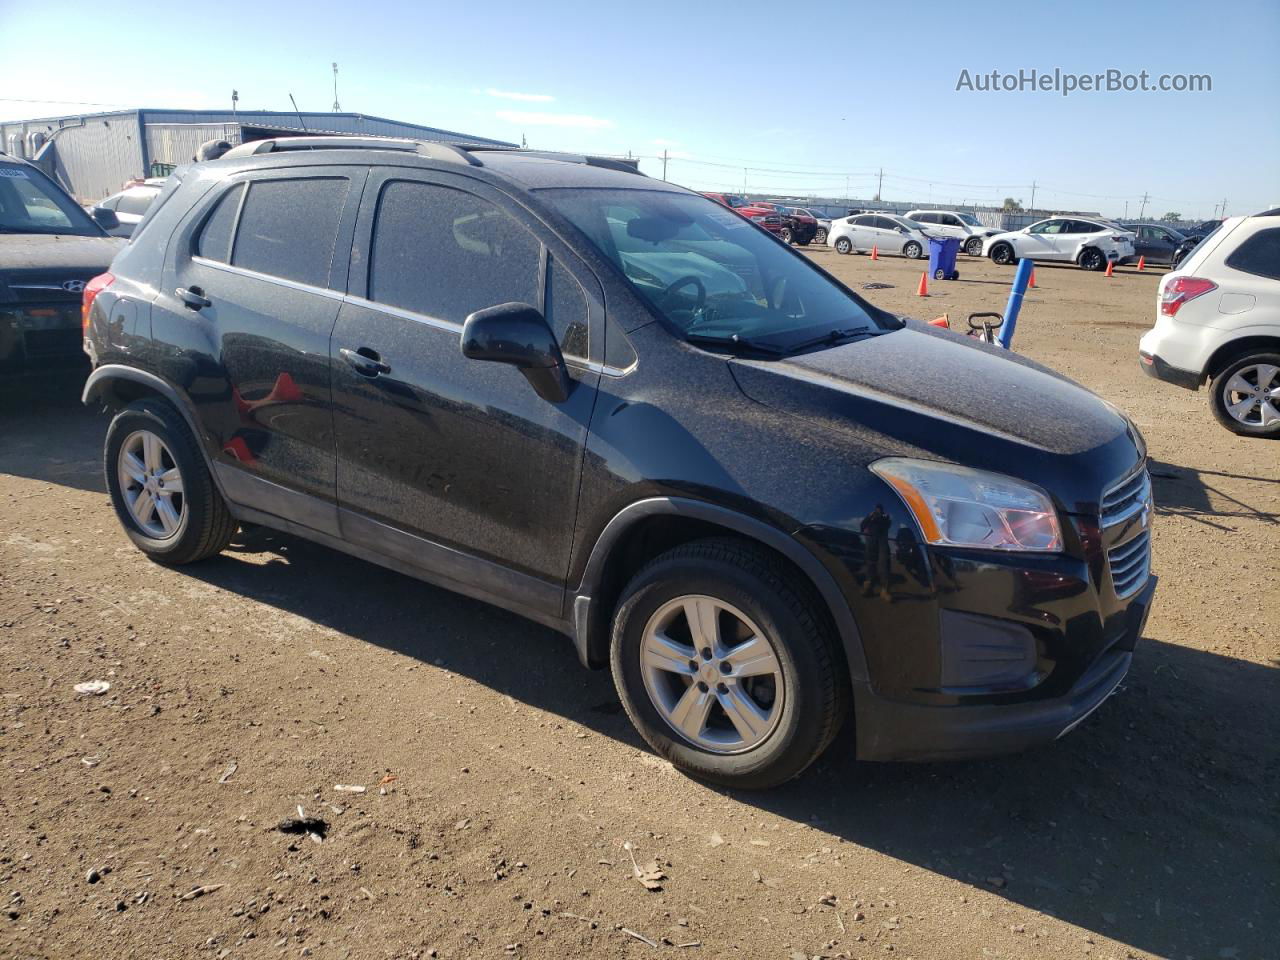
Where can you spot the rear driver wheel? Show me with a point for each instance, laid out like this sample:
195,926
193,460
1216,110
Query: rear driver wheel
161,488
1245,396
726,666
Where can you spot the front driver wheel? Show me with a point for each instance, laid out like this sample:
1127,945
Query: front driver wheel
974,247
785,235
912,250
1002,253
844,245
1245,396
726,666
161,488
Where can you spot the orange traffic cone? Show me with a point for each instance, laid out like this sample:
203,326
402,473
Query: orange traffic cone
1033,277
923,291
875,254
942,321
1110,267
1142,263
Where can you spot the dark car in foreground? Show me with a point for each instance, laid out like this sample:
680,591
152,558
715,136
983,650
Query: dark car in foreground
617,408
49,249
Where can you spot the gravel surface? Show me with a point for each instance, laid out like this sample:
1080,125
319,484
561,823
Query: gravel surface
300,754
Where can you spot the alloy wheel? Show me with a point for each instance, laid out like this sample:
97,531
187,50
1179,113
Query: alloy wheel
712,674
151,485
1252,395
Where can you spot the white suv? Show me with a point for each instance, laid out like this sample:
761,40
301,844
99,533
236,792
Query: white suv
887,232
1090,243
1218,318
965,227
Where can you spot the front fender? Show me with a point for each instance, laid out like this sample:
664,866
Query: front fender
590,621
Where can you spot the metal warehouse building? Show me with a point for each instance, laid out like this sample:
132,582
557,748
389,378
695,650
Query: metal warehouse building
93,155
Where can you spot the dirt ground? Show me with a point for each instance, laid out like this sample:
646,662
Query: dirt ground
502,781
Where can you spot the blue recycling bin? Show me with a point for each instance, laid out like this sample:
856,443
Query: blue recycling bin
942,258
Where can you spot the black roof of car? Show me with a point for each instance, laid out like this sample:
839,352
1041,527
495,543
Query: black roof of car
531,169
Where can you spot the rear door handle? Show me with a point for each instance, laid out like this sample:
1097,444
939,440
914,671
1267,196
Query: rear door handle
365,361
193,298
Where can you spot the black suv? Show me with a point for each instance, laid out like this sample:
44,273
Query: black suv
49,249
620,410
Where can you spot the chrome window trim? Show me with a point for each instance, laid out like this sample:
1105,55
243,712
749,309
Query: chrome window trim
447,326
278,281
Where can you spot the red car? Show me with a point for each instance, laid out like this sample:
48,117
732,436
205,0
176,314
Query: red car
762,215
798,225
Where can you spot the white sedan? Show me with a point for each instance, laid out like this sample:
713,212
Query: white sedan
1089,243
886,232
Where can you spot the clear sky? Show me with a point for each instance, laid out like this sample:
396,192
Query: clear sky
785,97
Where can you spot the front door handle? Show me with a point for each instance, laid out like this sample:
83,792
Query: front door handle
193,298
365,361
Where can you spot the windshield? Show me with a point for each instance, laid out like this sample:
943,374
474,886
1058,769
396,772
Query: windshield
29,203
970,219
713,275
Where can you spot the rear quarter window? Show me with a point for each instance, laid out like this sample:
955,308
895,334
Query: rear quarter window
1259,255
214,242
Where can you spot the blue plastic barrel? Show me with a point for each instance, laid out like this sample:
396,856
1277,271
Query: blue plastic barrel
942,258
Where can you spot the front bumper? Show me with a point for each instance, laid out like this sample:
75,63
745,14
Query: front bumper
1154,366
897,730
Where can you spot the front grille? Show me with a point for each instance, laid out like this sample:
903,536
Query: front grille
1130,564
1130,561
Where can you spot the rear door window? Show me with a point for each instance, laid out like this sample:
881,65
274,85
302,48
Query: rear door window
1259,255
288,228
445,253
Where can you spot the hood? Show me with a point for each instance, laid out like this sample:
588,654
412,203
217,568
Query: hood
925,392
80,256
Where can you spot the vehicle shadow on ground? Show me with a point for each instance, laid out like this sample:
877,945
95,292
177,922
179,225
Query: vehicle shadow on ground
1188,492
1153,823
66,447
1144,825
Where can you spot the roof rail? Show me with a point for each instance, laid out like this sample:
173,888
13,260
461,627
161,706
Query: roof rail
433,150
464,153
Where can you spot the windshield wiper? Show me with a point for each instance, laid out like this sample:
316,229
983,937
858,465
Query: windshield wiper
734,341
832,337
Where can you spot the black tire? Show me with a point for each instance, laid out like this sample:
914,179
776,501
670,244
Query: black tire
820,236
206,526
1002,253
785,235
973,246
1219,390
804,243
844,245
816,691
1091,258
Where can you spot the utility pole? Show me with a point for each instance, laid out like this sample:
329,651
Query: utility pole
1033,196
235,98
880,184
1224,208
664,163
1143,209
744,181
336,108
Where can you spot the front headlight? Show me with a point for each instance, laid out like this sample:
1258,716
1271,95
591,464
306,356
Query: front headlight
959,507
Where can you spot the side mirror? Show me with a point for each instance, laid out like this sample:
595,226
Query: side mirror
105,217
517,333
